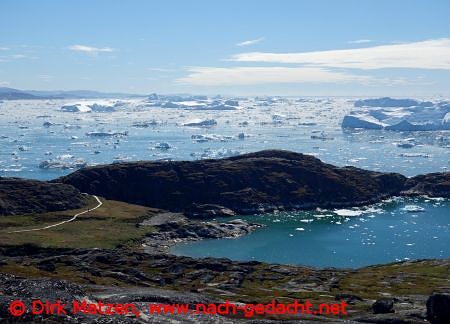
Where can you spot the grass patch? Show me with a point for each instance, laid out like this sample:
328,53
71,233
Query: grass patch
112,225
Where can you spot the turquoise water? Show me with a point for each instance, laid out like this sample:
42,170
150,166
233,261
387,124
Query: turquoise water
376,234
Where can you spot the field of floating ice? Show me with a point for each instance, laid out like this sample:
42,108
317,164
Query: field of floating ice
399,115
39,132
395,230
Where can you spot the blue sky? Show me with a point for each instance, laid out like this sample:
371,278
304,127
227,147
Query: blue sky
358,47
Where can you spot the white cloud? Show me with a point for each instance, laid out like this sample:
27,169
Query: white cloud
3,48
156,69
360,41
90,49
250,42
430,54
215,76
18,56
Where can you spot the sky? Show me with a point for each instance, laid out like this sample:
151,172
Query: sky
298,47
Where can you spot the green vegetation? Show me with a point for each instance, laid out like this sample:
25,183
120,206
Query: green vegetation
112,225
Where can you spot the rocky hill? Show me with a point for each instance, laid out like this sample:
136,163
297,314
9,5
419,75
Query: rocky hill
249,183
22,196
431,184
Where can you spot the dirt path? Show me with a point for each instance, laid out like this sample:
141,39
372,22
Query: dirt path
64,222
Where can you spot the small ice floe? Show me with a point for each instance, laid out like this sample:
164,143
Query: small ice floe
146,124
121,158
290,235
410,244
200,138
106,134
201,123
408,155
162,146
65,161
306,220
215,154
277,119
322,136
23,148
348,212
70,126
73,137
413,208
299,229
405,145
48,124
242,136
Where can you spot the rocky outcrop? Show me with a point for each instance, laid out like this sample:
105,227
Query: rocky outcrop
438,308
383,306
432,184
23,196
169,233
246,184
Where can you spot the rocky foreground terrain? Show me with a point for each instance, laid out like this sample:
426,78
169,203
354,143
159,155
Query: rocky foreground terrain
248,184
397,293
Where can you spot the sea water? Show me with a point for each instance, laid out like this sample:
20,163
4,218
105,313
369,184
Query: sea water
306,125
395,230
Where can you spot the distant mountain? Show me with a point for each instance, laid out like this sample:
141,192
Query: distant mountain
15,94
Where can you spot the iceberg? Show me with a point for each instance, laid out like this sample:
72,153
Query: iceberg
348,212
386,102
163,146
201,123
106,134
146,124
191,102
398,115
361,121
92,106
65,161
413,208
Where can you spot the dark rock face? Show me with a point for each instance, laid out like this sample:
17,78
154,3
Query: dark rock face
250,183
438,308
383,306
432,184
208,211
22,196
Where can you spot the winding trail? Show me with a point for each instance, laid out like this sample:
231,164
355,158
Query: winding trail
64,222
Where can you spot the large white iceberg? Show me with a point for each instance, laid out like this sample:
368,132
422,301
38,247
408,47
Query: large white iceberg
399,115
92,106
191,102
